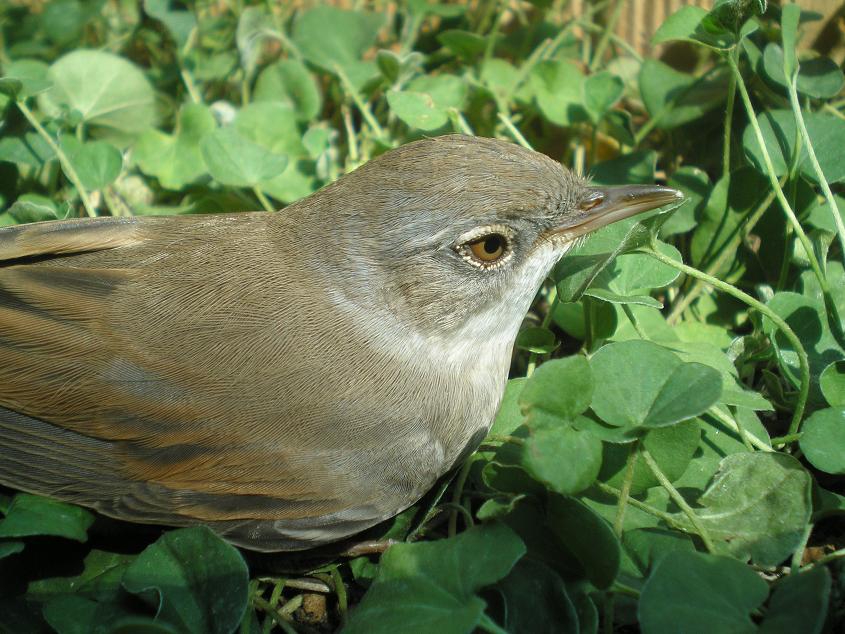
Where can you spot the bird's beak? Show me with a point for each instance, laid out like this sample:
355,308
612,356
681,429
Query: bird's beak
604,205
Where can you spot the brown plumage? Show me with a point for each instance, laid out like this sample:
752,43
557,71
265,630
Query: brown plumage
288,379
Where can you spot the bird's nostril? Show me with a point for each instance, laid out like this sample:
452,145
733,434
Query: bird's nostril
592,201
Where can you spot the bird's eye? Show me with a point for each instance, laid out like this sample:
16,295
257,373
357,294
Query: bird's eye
486,251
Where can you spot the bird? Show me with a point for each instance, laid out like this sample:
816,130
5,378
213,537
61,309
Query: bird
292,378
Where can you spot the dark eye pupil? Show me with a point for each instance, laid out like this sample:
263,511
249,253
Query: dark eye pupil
492,244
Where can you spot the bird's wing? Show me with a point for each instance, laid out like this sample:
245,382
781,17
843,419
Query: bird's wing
142,374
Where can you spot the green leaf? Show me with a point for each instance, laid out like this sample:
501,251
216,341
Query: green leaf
179,23
674,98
289,82
645,385
100,579
601,91
465,44
559,388
236,161
827,134
689,24
10,548
703,592
536,600
820,77
273,126
195,580
647,547
634,168
671,447
176,159
557,89
33,208
30,149
417,110
587,537
509,416
823,440
832,384
97,163
252,33
110,93
790,14
695,185
432,586
536,339
799,603
757,506
31,515
24,78
563,458
353,32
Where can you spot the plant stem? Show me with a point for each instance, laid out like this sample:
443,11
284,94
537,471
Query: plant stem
729,108
728,252
516,134
362,106
265,202
609,28
625,494
463,474
834,208
765,310
68,168
679,500
749,439
459,123
830,304
486,624
666,517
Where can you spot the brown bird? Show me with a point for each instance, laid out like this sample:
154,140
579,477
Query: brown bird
288,379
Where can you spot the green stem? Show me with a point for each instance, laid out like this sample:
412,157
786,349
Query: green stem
666,517
625,494
798,553
552,299
633,319
838,554
750,440
770,172
727,253
340,591
765,310
70,172
486,624
265,202
782,440
516,134
609,28
458,492
679,500
459,123
362,106
729,108
834,208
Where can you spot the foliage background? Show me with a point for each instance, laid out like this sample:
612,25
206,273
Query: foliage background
702,495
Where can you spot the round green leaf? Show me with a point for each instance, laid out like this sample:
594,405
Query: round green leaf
823,440
432,586
820,77
176,159
601,91
289,82
799,603
756,507
31,515
509,416
563,458
238,162
827,133
97,163
417,109
536,339
199,582
557,89
109,92
588,538
560,388
645,385
832,383
674,98
702,592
